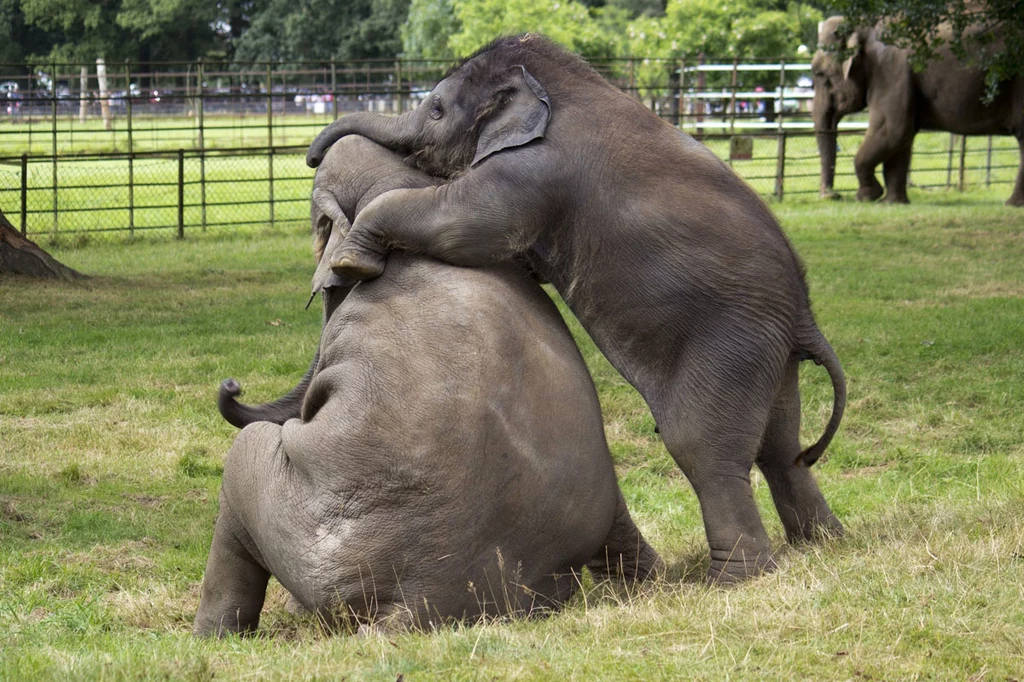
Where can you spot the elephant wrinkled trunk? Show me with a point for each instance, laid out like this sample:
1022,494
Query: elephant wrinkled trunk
826,135
394,132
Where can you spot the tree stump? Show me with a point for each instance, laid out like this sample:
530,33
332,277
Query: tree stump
22,256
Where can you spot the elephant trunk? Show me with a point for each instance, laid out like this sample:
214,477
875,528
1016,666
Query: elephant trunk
288,406
825,122
393,132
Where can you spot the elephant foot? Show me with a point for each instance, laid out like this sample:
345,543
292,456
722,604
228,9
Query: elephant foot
869,193
895,199
830,195
358,264
735,567
1015,200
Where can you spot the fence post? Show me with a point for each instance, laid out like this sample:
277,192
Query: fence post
202,142
732,99
24,194
949,161
181,193
270,109
334,89
270,179
780,136
963,154
398,85
681,104
988,163
632,78
131,148
53,137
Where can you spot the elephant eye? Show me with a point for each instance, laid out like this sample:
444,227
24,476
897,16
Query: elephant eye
436,111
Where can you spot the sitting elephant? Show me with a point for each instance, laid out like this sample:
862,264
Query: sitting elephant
449,459
900,102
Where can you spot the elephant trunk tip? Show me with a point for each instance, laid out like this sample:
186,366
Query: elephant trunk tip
230,388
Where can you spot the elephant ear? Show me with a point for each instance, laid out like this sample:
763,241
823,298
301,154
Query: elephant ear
853,45
517,113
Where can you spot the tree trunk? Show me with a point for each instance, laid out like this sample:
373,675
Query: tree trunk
21,256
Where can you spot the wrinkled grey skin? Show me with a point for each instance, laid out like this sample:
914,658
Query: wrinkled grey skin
449,461
676,268
944,96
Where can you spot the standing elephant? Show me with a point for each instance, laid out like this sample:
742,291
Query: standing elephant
449,460
675,267
944,96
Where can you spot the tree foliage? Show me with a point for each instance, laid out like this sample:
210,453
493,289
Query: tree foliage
984,33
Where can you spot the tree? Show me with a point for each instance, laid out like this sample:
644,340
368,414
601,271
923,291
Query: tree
21,256
987,34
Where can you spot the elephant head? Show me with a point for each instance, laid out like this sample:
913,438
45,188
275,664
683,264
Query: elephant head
474,112
352,175
840,87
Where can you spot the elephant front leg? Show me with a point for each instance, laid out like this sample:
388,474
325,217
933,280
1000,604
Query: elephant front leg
896,169
234,585
872,152
626,556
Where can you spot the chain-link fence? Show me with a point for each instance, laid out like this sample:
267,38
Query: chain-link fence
179,147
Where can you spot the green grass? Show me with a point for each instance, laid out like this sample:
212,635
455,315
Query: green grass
112,450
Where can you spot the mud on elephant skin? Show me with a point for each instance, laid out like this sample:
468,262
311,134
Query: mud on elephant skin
945,96
449,460
683,278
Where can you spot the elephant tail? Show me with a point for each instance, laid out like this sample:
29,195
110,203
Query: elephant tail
815,347
288,406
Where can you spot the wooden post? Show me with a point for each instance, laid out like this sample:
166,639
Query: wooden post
101,78
334,89
83,94
131,148
732,98
270,179
270,110
53,137
988,163
24,194
681,94
963,154
202,142
780,136
632,78
398,86
181,193
949,161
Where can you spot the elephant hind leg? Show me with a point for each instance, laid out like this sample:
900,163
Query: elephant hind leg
805,514
712,424
625,556
234,585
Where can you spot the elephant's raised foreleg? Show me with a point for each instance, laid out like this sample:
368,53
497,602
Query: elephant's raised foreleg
805,514
896,170
234,585
626,555
873,150
1017,198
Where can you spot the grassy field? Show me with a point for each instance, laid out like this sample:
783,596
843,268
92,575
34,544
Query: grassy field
112,451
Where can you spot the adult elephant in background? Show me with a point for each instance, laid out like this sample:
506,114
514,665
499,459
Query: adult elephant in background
449,460
946,95
675,267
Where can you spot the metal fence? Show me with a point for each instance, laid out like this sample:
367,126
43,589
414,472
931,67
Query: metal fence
180,147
